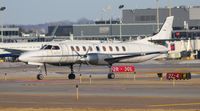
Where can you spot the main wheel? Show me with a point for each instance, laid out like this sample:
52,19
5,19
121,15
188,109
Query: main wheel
71,76
160,75
111,76
40,77
189,76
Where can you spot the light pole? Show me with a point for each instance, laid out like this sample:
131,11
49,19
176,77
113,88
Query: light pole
158,19
170,9
2,9
120,23
104,11
109,11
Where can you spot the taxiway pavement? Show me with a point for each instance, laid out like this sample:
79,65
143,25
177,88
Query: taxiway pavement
21,89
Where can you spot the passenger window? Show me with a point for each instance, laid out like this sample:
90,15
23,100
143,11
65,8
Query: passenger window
72,48
124,49
104,48
111,49
98,49
117,48
84,48
77,48
90,48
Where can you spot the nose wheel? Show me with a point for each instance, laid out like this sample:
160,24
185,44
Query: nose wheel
40,77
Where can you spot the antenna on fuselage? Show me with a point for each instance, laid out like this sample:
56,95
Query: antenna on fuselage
71,36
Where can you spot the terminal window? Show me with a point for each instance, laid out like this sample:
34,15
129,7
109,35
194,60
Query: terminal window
146,18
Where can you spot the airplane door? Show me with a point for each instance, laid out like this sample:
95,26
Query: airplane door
52,54
71,52
47,53
61,53
56,52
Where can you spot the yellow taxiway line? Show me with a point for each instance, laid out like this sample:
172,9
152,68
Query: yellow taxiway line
178,104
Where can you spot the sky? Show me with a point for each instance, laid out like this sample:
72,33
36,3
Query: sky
44,11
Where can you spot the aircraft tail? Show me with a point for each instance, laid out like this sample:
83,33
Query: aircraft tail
164,33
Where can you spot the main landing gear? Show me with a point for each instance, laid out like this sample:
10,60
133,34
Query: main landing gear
111,75
71,76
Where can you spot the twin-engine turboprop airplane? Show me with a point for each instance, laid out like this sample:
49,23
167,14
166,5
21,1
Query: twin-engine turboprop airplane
85,52
70,53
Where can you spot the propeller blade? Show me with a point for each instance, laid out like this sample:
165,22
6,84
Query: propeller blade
87,51
45,68
77,53
79,67
87,63
83,57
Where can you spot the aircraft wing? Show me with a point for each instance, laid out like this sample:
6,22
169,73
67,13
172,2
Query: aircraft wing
164,40
117,59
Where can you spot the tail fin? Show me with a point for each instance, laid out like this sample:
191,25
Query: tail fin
164,33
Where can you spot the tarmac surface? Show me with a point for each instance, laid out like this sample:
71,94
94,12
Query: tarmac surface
20,89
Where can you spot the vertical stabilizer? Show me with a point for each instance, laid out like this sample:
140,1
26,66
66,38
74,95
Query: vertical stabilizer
164,33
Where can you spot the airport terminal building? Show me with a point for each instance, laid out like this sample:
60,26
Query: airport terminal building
137,22
142,23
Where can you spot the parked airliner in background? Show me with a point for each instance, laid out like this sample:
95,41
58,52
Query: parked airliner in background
71,52
14,50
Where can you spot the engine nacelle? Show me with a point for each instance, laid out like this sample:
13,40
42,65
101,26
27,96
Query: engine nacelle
97,59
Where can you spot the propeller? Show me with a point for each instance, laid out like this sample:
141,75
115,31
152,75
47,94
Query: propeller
83,58
45,68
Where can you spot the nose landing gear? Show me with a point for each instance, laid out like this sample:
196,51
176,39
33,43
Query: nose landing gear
40,76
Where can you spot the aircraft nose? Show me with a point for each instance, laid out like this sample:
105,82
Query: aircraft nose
24,57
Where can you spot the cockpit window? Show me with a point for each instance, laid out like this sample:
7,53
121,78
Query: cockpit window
43,46
48,47
55,48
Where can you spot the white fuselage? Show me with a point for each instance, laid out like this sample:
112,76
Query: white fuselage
77,52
